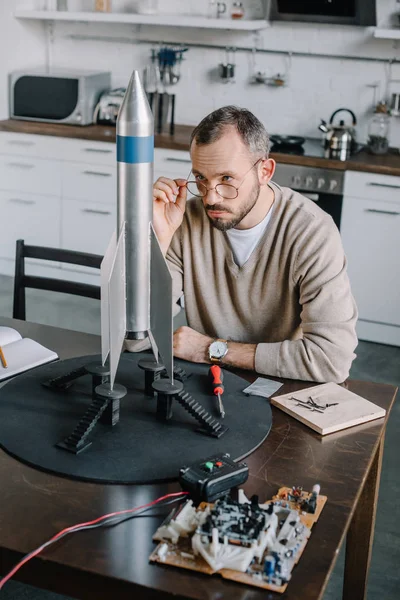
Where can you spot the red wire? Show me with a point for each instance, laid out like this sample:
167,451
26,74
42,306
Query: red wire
77,527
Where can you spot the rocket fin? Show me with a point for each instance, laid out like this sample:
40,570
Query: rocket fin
116,299
154,346
105,273
161,304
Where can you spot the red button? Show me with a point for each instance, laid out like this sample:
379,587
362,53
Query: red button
218,463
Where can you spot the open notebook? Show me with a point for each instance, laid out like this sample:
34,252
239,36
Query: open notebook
21,354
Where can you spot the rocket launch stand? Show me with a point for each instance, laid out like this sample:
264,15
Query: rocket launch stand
168,391
104,406
143,447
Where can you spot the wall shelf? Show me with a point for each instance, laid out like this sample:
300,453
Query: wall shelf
135,19
387,34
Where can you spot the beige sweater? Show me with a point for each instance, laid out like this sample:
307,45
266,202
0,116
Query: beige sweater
292,297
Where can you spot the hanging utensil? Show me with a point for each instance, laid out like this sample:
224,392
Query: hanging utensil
226,69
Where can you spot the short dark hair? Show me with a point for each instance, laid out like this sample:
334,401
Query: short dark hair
250,129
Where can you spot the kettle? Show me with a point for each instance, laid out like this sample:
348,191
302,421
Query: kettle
340,139
106,111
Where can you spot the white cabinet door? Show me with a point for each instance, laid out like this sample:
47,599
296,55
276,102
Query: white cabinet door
372,186
87,226
26,144
31,175
99,153
371,238
96,183
175,164
35,219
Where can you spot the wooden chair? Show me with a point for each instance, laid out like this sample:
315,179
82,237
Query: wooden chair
22,281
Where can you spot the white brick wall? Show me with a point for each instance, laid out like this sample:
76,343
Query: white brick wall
317,86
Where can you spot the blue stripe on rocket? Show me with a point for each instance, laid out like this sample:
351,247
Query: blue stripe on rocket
133,149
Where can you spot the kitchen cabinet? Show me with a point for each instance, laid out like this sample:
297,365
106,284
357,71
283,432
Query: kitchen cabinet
87,227
34,218
371,238
89,182
62,192
174,164
30,174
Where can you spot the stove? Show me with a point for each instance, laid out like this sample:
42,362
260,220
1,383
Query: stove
322,185
305,147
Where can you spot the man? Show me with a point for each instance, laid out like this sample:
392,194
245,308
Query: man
262,268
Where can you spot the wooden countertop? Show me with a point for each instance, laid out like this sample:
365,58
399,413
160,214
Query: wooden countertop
388,164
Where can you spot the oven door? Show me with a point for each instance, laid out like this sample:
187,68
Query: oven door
330,203
344,12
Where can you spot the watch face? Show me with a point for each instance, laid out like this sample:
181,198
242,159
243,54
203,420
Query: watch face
218,349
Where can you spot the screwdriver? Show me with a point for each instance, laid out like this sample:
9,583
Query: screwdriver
217,378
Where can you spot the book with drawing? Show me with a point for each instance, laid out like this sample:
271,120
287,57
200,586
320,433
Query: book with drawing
21,354
347,409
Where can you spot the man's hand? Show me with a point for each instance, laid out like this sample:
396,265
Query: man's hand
169,202
191,345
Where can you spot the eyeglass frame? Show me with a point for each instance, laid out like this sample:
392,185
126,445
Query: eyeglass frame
215,187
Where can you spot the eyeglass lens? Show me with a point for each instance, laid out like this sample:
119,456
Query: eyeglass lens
199,189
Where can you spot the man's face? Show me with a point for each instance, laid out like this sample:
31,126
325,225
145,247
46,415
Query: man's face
228,160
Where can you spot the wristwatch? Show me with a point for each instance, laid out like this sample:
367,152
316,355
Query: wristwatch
217,350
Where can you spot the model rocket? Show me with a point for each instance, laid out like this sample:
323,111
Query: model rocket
148,284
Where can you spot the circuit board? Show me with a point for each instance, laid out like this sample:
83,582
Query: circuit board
244,541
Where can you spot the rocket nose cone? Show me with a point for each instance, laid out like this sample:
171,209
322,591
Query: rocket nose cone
135,117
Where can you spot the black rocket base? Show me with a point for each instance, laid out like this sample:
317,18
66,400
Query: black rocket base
135,437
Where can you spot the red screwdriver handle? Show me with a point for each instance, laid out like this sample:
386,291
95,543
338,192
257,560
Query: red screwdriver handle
217,379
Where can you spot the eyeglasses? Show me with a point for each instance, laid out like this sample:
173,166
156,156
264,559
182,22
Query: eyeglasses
225,190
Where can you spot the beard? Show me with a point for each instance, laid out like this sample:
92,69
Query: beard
237,217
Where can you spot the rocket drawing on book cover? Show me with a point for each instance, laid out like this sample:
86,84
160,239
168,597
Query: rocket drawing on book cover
136,285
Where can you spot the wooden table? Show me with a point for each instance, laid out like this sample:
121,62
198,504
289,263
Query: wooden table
113,562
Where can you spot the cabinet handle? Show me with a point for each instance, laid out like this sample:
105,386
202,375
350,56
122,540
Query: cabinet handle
382,212
21,165
179,160
20,143
99,150
21,201
97,173
94,211
313,197
385,185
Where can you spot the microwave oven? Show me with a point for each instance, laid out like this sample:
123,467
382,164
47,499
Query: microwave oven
56,95
344,12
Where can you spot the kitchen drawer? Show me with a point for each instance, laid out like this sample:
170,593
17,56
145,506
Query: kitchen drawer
35,219
89,182
372,185
87,226
26,145
98,153
31,175
172,163
370,233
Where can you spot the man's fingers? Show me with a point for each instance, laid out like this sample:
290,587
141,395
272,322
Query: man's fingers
160,195
180,182
172,183
181,198
170,193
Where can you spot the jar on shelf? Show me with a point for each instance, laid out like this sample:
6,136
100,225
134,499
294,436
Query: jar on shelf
237,10
378,131
102,5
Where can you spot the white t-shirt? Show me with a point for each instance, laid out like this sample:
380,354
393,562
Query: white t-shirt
243,241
